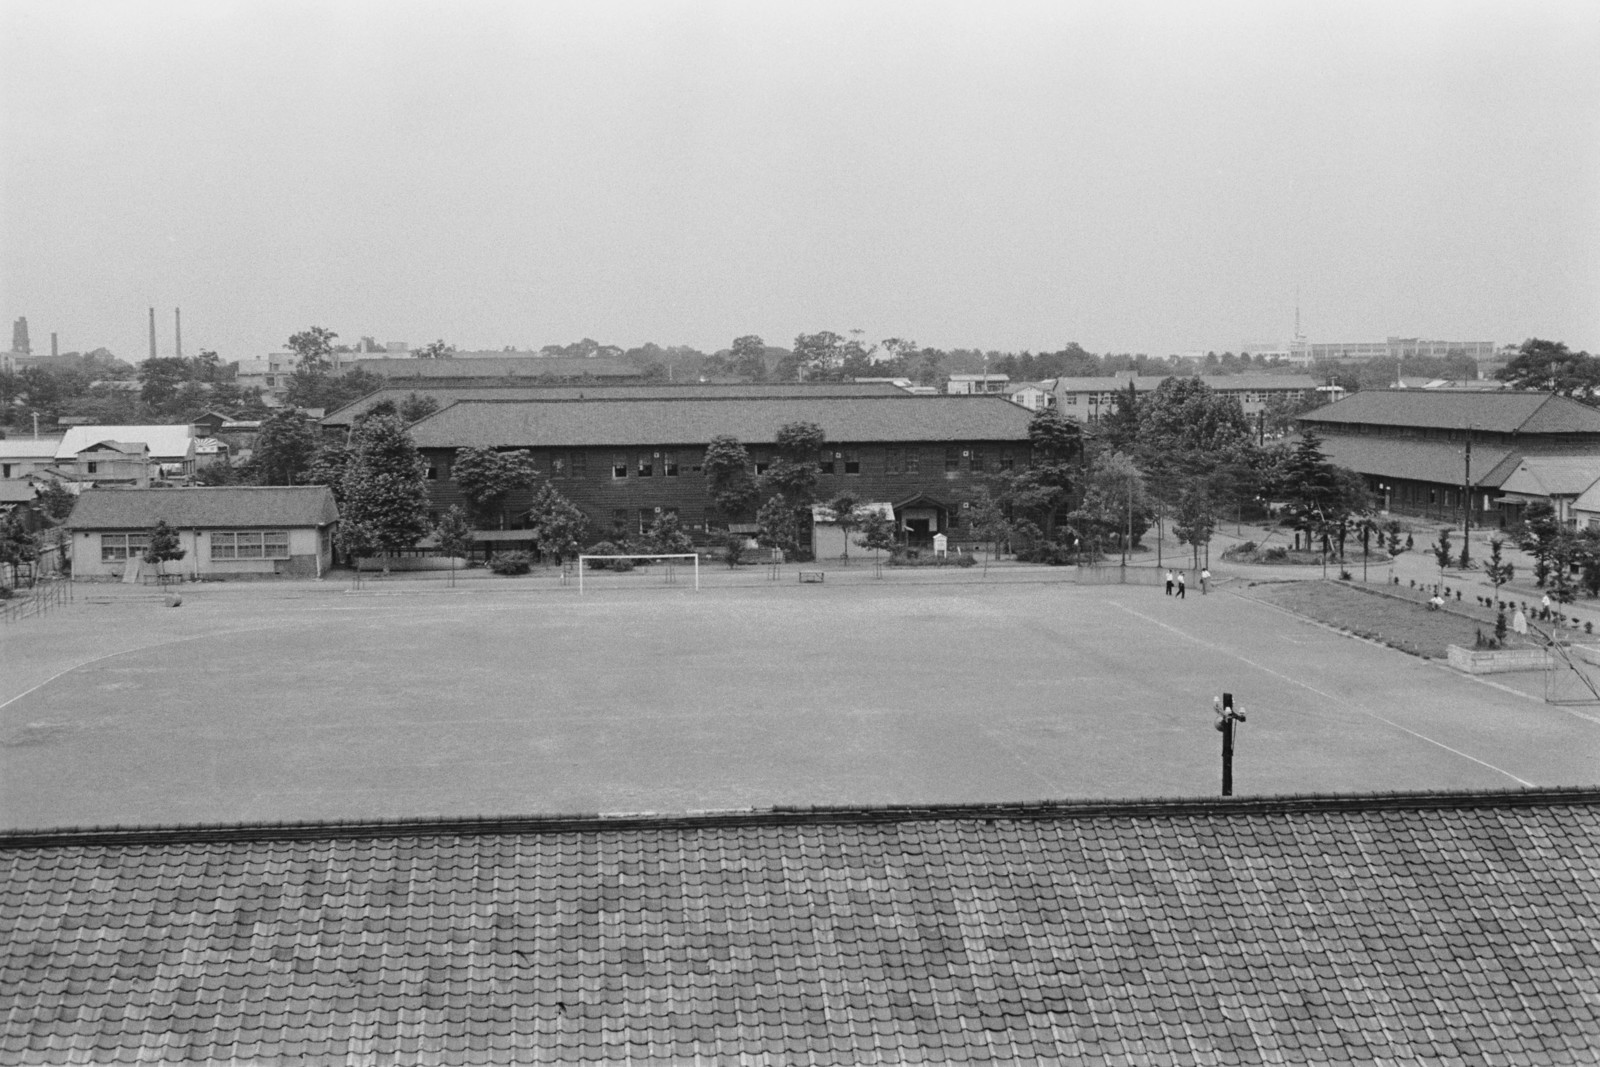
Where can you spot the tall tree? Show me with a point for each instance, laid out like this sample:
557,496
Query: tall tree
728,481
1550,367
417,406
1116,505
162,547
487,477
1538,535
794,471
385,490
436,350
1195,520
17,545
748,359
557,523
455,536
313,347
284,447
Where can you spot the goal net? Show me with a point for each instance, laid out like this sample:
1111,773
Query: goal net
669,572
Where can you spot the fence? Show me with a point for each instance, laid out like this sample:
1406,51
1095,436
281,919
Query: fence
1115,574
47,594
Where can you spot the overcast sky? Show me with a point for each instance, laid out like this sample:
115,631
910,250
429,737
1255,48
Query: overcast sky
1157,177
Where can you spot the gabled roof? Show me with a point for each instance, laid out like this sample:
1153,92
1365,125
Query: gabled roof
29,447
1550,476
446,391
164,441
1442,462
632,423
1493,412
129,448
211,506
1454,928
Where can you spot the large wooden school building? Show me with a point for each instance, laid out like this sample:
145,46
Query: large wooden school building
627,460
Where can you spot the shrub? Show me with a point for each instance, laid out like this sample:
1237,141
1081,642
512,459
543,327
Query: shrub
1246,548
966,559
6,592
1051,552
607,548
511,563
1276,552
1344,576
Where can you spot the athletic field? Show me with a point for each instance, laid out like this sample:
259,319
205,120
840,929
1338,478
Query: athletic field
310,701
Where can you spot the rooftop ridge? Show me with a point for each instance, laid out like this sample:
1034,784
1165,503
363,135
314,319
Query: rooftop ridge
1144,807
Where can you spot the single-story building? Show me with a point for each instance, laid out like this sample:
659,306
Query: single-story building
1556,480
225,531
22,456
171,447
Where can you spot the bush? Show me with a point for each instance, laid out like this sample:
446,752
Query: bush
1276,552
607,548
511,563
1245,548
6,592
900,559
1051,552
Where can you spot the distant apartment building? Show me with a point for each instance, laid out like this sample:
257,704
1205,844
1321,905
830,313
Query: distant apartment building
1088,400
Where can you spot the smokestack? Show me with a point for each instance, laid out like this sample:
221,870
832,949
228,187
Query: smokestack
177,330
55,347
152,333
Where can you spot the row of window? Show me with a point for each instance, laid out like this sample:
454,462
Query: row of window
225,544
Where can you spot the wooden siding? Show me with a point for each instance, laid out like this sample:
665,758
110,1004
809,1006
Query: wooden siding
917,469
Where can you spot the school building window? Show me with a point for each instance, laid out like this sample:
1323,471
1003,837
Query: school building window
647,518
762,461
669,464
619,520
114,548
619,466
558,466
975,462
579,464
952,460
825,461
647,465
250,544
433,473
1007,461
852,461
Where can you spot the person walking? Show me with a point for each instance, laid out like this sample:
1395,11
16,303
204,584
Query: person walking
1205,580
1544,608
1180,586
1169,581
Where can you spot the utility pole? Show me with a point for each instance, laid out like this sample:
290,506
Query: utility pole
1466,507
1226,717
1127,537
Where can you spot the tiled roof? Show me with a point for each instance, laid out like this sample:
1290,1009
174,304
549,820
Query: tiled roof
219,506
503,367
1546,476
1458,928
628,423
1422,461
446,392
166,442
1495,412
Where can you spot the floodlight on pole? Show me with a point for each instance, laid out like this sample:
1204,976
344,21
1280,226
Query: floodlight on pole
1227,715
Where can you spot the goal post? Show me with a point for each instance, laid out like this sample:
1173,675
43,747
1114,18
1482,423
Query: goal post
670,557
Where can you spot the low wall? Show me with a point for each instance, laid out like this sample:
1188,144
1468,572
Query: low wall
1497,660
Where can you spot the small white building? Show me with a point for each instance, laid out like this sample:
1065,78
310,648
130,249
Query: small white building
225,531
171,448
23,456
974,384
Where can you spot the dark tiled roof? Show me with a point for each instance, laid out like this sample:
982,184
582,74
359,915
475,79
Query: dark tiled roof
446,392
1423,461
504,367
1507,412
1440,929
570,423
233,505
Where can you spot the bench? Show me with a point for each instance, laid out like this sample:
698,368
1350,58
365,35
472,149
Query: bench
811,576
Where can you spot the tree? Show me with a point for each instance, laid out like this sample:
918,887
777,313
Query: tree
1195,521
877,531
314,387
1120,429
436,350
666,535
557,523
455,536
56,500
1497,570
162,546
1549,367
284,447
1538,536
1441,552
328,467
417,406
1116,504
386,491
312,347
487,478
845,517
159,379
748,358
794,472
728,481
987,518
17,545
781,524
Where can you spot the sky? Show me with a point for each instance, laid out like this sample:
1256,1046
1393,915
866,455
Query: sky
1136,177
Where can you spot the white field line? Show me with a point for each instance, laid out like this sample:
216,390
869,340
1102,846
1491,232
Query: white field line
1327,696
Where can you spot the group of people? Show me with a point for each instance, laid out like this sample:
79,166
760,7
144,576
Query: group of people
1179,587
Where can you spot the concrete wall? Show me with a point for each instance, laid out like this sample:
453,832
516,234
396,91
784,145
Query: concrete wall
1497,660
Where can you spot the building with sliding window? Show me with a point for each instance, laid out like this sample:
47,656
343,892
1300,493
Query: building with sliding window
225,531
627,461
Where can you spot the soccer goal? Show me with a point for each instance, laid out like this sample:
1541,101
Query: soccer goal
670,573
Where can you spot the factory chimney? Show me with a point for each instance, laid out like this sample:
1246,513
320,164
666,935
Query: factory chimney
55,346
177,330
152,333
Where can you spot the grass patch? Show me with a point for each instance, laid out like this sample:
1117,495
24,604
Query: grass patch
1395,619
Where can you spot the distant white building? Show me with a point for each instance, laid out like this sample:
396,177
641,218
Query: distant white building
974,384
170,448
1035,396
